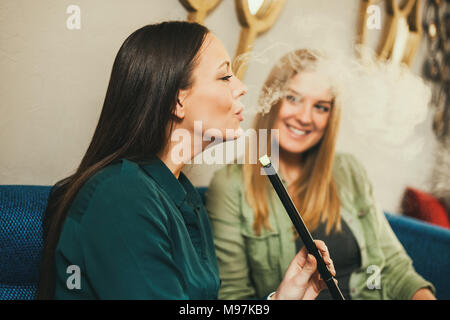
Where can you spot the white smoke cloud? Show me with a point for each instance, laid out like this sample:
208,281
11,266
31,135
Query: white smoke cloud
382,102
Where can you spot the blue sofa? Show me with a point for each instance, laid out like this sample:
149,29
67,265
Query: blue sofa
22,207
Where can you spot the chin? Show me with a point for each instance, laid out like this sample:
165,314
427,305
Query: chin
295,151
237,132
294,148
230,132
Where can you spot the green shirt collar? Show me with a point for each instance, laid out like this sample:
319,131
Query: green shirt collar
175,188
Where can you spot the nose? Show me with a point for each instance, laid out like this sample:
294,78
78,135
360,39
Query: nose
240,88
304,114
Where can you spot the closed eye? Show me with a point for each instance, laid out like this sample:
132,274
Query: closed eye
226,78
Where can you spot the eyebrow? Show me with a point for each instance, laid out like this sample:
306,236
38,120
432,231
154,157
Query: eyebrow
227,63
320,101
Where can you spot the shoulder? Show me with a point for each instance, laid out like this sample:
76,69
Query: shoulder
124,177
119,187
227,177
351,176
347,162
353,184
346,166
225,189
229,172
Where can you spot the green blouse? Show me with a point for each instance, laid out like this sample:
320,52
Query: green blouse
252,265
136,232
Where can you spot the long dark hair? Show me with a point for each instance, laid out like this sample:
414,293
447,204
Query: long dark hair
152,65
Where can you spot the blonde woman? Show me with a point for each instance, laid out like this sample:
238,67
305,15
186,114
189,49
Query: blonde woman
253,235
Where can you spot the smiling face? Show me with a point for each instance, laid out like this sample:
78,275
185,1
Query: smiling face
214,97
304,112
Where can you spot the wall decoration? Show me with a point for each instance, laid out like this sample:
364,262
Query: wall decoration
199,9
402,29
436,68
254,16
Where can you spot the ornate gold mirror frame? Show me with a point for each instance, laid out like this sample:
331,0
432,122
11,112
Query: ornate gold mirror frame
402,33
252,24
199,9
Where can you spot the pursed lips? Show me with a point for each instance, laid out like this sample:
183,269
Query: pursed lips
239,114
240,107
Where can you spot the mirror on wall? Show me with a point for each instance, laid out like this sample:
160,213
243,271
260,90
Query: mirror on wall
255,17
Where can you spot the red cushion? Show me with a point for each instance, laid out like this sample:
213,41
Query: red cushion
423,206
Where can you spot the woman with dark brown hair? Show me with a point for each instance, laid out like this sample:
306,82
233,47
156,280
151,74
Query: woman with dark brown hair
128,219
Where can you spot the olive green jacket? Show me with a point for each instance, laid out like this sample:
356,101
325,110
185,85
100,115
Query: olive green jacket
253,266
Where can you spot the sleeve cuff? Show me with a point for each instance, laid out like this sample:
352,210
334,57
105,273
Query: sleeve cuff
412,286
269,296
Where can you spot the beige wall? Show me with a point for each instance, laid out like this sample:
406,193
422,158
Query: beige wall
53,82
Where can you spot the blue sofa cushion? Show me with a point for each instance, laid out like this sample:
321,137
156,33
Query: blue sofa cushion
22,208
429,247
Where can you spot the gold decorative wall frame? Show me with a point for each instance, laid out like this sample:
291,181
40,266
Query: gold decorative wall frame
252,25
399,41
199,9
402,30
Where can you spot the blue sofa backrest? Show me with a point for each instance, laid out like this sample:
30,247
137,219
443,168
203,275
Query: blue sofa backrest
22,208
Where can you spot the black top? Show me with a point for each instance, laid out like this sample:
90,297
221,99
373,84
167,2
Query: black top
344,252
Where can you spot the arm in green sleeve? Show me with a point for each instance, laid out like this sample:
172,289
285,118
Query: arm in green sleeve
399,276
223,206
126,243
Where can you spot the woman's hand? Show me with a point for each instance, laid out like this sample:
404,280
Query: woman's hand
302,280
423,294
